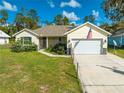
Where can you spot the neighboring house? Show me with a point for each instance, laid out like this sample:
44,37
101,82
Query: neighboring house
118,36
4,38
75,38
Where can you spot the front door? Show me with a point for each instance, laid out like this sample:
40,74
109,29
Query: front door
44,42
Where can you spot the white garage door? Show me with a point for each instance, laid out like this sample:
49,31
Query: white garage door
87,46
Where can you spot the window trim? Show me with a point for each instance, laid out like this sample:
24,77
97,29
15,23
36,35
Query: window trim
24,41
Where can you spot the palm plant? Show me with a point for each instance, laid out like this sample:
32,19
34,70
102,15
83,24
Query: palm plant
114,9
4,17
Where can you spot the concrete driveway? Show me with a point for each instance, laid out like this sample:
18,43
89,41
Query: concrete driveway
101,73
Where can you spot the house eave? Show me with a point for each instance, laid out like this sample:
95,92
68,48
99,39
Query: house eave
28,30
52,35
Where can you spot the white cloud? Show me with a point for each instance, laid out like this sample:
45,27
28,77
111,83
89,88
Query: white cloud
71,16
51,3
95,13
72,3
8,6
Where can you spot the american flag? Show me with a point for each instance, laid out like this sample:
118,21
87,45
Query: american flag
89,36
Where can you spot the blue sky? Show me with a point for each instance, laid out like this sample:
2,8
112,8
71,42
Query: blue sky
75,10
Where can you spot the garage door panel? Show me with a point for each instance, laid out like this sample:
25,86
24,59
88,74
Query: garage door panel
87,47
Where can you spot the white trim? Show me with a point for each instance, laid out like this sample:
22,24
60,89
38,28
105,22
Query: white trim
86,24
25,29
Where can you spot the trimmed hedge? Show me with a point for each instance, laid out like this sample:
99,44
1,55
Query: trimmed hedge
19,47
59,48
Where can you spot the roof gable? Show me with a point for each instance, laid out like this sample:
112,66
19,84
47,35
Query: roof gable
88,24
3,34
27,30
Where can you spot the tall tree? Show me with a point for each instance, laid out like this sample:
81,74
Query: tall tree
48,23
113,27
114,9
33,15
65,21
61,20
72,24
58,20
19,18
107,27
86,18
89,18
4,16
19,21
27,19
23,11
33,18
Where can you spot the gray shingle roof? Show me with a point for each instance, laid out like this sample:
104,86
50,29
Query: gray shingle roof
53,30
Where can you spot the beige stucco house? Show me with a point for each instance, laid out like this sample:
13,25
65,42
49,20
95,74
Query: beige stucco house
44,37
74,37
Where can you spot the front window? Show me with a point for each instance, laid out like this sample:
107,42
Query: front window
26,40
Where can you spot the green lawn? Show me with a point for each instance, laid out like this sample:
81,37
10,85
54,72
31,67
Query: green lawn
118,52
33,72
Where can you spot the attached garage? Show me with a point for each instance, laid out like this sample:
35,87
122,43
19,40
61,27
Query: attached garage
83,46
87,39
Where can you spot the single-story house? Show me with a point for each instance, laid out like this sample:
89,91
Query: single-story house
76,38
118,37
4,38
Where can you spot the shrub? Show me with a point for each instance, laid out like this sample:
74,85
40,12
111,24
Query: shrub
19,47
59,48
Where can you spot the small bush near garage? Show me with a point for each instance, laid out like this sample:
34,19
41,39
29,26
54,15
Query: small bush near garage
18,46
59,48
